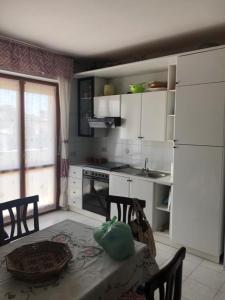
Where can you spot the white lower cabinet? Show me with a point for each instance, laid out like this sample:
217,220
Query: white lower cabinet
132,188
143,190
119,185
75,187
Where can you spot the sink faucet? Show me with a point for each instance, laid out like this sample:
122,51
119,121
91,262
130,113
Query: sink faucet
146,161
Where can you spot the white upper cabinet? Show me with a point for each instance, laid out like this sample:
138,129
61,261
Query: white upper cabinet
131,116
202,67
153,116
107,106
197,199
144,115
200,114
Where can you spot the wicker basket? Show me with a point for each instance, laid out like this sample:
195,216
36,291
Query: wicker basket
38,261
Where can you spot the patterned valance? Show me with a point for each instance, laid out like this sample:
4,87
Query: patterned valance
24,59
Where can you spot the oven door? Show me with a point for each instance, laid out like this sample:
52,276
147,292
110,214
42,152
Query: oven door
95,191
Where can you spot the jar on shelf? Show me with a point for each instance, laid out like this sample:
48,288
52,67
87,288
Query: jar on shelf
108,89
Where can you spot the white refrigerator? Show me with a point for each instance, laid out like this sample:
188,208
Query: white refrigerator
198,192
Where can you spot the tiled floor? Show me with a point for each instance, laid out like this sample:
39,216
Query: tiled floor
202,280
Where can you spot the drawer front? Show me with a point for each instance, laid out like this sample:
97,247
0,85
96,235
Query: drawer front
75,201
203,67
75,172
74,182
74,186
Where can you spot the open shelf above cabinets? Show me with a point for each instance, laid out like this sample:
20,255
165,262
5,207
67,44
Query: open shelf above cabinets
171,78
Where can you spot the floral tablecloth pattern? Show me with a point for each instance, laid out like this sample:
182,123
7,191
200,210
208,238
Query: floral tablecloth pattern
90,275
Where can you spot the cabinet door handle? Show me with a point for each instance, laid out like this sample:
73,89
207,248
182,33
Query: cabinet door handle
175,147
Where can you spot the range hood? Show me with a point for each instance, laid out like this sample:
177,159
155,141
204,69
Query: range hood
107,122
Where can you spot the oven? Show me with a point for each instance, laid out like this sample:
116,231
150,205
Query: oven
95,191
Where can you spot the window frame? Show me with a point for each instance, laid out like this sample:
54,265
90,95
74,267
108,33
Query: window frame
22,80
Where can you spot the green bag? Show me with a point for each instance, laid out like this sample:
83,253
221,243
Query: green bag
116,239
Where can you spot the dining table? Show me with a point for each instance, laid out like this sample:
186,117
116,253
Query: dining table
91,273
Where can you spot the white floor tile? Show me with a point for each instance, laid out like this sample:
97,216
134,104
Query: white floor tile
193,290
212,266
219,296
209,277
223,288
188,267
193,258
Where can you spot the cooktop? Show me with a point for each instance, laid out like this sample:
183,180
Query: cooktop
109,166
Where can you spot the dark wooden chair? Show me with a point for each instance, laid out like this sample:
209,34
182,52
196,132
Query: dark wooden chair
124,208
168,281
18,218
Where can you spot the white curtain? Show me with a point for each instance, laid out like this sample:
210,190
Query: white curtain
64,101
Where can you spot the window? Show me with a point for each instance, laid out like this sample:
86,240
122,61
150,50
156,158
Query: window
29,140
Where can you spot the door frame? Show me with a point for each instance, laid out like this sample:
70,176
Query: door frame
23,168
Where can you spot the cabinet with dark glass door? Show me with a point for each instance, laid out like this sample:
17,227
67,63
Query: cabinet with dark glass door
85,106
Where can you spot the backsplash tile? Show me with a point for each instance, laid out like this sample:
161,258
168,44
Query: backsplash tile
132,152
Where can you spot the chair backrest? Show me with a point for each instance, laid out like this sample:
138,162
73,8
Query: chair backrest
168,281
18,218
124,208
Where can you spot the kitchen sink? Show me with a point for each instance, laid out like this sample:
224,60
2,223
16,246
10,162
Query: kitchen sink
143,172
151,173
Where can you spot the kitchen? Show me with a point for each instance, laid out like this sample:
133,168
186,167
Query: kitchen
112,109
184,198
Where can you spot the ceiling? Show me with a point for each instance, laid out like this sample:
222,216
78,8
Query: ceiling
102,28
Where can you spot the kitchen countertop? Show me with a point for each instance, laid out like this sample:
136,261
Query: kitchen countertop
166,180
